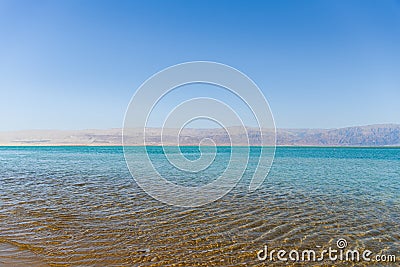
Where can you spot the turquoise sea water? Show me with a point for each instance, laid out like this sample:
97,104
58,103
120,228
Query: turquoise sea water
79,206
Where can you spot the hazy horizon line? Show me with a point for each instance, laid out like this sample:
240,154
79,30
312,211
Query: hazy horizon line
206,128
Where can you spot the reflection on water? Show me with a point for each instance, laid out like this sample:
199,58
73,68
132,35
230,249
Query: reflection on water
79,206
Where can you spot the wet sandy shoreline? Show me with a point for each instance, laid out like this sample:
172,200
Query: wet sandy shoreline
11,255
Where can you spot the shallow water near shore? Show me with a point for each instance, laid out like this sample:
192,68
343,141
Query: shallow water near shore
79,206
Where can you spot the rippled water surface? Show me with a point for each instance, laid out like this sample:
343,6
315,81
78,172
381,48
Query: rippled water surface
79,206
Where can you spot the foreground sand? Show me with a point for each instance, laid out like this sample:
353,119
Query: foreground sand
13,256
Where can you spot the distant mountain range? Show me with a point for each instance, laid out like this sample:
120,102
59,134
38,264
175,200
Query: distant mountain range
371,135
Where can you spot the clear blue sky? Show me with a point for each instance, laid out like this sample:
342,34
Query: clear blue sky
76,64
